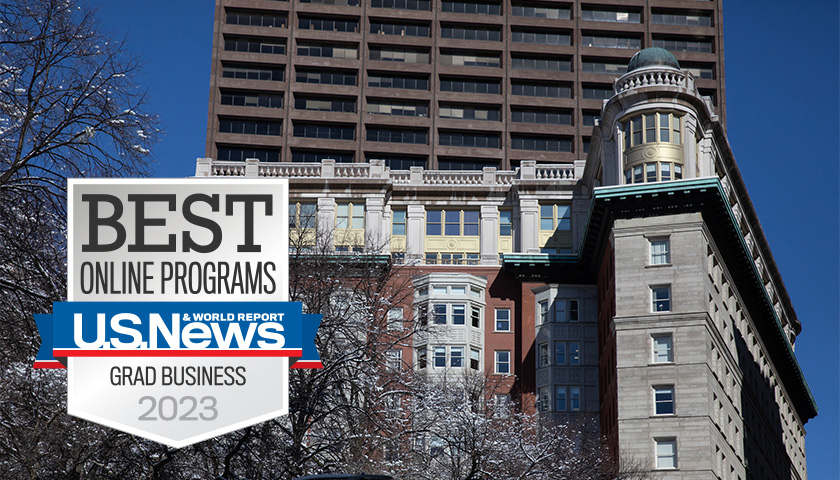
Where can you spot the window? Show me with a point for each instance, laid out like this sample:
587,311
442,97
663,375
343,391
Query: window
398,81
396,162
540,12
662,349
316,156
599,15
589,118
250,127
237,154
349,3
548,117
543,313
528,89
555,217
559,353
332,132
325,77
456,357
394,360
440,314
255,45
470,33
541,144
502,319
395,319
540,37
350,215
503,362
321,104
574,399
302,215
421,358
472,7
242,99
560,399
660,251
255,20
573,310
505,223
475,316
596,92
543,355
468,112
252,73
459,316
439,357
478,140
475,359
661,298
401,4
678,45
543,399
328,24
325,50
693,19
663,400
606,41
574,353
394,135
610,68
470,86
398,222
401,109
539,63
470,59
452,222
658,127
404,55
666,453
399,29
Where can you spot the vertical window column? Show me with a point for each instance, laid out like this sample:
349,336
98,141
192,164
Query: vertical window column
489,239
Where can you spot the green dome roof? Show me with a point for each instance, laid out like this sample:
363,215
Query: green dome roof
653,56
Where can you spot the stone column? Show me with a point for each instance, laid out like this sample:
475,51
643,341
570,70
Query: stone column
386,229
689,146
415,233
489,231
529,220
375,238
326,224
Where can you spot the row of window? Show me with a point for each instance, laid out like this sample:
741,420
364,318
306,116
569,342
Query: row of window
703,19
653,172
565,399
653,127
565,353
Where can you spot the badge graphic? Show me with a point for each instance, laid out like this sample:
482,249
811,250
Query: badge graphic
177,326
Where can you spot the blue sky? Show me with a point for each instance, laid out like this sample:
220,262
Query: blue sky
782,114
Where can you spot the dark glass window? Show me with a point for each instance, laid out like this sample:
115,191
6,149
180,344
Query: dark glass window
542,144
255,45
250,127
252,73
398,81
539,63
615,16
455,164
470,33
349,3
589,118
332,132
255,19
678,45
468,112
541,38
607,41
395,135
470,86
610,68
323,104
250,99
402,109
406,55
397,162
597,93
472,7
328,24
307,49
698,19
550,117
325,77
402,4
540,12
237,154
470,59
399,29
315,156
461,139
533,89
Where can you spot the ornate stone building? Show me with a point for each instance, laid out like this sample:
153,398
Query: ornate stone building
635,284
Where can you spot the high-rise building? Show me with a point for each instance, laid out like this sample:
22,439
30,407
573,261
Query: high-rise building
444,84
636,285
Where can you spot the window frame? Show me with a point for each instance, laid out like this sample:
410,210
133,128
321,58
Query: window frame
666,403
659,303
659,258
497,320
669,349
498,361
672,455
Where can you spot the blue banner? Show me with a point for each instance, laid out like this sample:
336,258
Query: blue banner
199,329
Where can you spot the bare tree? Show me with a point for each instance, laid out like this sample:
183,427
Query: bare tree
68,108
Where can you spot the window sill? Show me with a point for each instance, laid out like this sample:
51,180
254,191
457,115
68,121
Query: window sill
659,265
502,331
